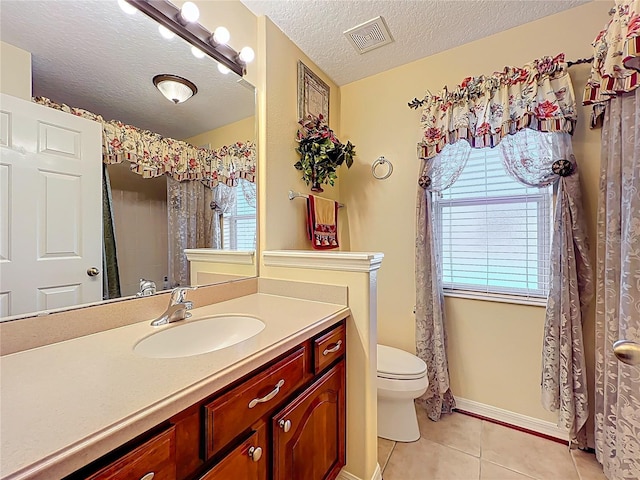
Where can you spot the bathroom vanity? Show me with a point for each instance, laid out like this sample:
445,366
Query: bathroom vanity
270,407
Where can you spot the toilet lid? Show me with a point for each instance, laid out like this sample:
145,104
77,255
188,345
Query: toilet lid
398,364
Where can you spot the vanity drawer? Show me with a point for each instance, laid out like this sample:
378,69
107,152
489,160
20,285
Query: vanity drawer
328,347
242,406
156,456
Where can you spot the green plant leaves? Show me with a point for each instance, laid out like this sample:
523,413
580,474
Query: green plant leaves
321,153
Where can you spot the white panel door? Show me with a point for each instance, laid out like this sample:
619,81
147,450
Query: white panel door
50,208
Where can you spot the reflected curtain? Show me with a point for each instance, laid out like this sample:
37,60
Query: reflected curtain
190,224
224,197
617,396
111,275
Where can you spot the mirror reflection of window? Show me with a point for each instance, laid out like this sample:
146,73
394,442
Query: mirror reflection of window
239,220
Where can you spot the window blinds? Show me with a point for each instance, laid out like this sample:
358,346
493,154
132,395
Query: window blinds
495,233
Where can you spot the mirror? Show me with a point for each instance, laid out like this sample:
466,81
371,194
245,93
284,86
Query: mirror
93,56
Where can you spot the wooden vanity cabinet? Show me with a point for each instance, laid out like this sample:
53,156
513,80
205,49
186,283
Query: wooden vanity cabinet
308,433
283,421
248,461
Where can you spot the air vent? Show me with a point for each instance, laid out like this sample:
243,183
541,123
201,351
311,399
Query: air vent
369,35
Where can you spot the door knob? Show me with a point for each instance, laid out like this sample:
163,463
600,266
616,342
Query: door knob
627,352
93,271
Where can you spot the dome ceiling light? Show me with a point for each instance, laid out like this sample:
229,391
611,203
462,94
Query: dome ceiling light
174,88
183,22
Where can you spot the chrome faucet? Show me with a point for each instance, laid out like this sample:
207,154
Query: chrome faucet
177,309
147,287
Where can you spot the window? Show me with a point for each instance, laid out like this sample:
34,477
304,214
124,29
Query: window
495,233
239,222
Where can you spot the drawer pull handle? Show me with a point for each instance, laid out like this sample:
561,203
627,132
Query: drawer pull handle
255,453
285,425
333,349
268,397
148,476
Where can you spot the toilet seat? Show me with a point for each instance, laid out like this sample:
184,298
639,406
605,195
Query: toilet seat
396,364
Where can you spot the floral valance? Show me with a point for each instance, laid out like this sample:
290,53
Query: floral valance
616,59
152,155
483,110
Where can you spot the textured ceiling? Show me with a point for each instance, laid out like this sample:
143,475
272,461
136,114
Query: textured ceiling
91,55
420,28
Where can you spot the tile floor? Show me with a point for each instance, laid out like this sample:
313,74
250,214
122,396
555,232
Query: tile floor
460,447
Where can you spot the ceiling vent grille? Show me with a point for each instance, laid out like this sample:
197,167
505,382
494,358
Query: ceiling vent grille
369,35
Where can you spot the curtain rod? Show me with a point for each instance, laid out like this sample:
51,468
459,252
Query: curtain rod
415,103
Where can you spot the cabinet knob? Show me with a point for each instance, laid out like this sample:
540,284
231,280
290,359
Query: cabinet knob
255,453
285,425
148,476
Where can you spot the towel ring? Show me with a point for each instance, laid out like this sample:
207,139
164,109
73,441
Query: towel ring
381,161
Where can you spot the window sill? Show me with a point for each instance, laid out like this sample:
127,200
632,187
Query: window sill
497,297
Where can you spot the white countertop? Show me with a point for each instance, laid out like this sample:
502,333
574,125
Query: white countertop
66,404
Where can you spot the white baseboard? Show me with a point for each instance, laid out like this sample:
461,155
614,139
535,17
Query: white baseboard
344,475
512,418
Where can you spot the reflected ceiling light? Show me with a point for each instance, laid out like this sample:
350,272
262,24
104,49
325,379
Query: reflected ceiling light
127,7
165,32
223,69
175,89
221,36
189,12
197,52
247,55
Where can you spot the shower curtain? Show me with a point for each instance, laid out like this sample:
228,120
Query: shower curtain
111,274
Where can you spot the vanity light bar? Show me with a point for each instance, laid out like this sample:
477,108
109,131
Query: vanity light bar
168,15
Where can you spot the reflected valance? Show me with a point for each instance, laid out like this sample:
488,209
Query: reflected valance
483,110
152,155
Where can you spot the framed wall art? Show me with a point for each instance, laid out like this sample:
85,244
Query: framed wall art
313,94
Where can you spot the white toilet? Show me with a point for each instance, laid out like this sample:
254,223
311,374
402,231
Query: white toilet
402,377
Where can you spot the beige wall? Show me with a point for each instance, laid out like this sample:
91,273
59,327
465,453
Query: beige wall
494,348
362,410
15,71
282,221
241,131
140,217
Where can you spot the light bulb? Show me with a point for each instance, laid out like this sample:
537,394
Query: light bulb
165,32
197,52
189,12
223,69
127,7
247,55
221,35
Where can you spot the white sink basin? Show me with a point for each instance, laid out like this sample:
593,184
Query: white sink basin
184,339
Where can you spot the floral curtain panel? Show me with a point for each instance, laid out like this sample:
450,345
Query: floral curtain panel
530,113
152,155
617,395
483,110
538,159
616,60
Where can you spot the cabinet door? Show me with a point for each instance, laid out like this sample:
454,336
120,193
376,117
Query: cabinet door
248,461
309,433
